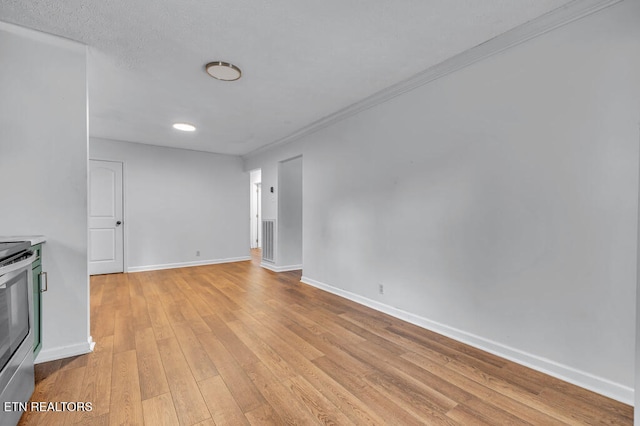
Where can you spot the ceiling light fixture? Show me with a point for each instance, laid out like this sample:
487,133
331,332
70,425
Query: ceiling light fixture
185,127
223,71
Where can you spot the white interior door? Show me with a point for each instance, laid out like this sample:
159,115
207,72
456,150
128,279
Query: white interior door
105,218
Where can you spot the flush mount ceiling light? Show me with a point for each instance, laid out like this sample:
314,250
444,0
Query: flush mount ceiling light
185,127
223,71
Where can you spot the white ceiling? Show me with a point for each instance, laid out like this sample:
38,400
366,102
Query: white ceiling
301,60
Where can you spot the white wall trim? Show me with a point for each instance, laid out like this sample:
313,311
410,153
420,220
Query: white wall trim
564,372
559,17
636,411
60,352
284,268
186,264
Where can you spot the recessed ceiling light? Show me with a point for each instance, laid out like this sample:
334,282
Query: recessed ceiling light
223,71
185,127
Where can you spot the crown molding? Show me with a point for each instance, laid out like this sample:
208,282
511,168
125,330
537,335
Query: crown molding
570,12
43,37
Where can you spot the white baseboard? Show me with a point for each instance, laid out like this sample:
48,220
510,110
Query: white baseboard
186,264
285,268
563,372
60,352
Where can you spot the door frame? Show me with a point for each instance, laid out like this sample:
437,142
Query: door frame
125,232
258,214
255,208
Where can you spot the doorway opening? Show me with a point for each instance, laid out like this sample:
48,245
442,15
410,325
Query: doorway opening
255,212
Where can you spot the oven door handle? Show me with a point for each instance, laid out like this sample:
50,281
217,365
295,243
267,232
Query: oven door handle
44,279
9,271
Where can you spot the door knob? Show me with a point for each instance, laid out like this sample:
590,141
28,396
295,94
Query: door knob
118,223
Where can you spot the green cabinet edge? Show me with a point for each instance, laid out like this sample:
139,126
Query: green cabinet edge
36,268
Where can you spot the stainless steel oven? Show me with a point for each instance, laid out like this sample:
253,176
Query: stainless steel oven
16,335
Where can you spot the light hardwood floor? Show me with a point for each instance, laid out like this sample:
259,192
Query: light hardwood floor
235,344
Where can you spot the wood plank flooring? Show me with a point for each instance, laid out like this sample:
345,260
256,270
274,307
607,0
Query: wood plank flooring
235,344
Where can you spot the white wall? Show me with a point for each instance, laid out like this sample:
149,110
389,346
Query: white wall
178,202
255,219
497,204
289,243
43,167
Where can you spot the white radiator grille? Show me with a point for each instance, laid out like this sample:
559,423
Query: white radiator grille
268,235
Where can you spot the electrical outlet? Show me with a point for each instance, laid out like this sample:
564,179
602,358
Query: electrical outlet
198,253
381,288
